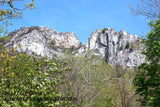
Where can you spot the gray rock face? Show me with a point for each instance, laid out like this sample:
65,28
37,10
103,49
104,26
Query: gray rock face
118,48
40,41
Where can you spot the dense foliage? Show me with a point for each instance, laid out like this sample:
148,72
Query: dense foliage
29,81
148,81
67,81
99,84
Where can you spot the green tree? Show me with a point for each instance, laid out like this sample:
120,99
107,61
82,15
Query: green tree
148,80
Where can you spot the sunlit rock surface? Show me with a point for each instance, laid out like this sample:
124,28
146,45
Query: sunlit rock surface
117,48
42,41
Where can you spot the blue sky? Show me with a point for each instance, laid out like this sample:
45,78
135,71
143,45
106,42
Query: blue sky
83,17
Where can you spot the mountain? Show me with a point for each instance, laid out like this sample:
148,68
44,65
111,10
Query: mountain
117,48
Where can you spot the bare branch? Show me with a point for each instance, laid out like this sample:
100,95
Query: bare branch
148,8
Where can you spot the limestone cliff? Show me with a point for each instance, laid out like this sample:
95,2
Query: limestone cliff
117,48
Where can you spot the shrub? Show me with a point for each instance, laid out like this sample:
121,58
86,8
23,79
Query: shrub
1,47
127,45
120,36
52,45
121,48
3,40
73,48
29,81
104,30
80,44
53,42
136,46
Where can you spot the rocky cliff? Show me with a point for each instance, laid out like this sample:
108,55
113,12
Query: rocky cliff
41,41
117,48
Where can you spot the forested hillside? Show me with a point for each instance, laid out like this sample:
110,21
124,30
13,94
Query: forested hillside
40,67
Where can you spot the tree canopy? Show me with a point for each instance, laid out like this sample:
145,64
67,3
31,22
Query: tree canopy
148,81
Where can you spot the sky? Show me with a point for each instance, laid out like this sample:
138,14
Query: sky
83,17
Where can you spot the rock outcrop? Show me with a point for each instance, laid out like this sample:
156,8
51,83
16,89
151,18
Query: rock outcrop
41,41
117,48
